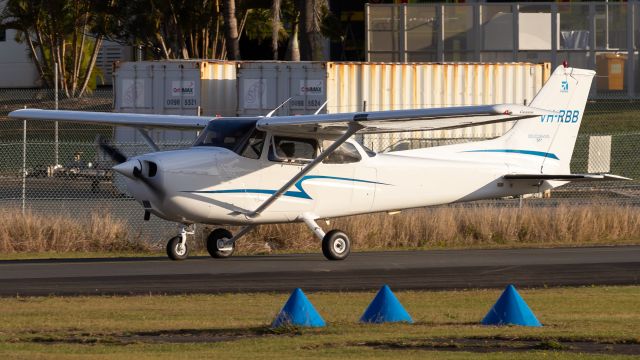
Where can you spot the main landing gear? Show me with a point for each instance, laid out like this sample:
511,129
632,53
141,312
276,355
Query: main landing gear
221,243
335,244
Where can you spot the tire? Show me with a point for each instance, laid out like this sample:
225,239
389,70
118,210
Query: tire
336,245
212,243
175,251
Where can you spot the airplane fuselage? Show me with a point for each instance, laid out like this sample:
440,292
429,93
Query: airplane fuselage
213,185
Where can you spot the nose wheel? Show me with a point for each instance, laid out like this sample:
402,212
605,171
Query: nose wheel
176,249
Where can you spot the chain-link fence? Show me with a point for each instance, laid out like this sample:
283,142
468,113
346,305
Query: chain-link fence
71,176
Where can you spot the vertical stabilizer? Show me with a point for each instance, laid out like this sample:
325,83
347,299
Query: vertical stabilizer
553,137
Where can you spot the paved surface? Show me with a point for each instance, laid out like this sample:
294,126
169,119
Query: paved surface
446,269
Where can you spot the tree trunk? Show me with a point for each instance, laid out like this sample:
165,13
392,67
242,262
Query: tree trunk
92,64
275,27
37,60
310,36
231,29
293,48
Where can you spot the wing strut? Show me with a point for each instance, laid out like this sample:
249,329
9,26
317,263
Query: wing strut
353,127
147,138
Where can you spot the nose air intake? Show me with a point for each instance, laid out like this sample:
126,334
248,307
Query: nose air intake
131,169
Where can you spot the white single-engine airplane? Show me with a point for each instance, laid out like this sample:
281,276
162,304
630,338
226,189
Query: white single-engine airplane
280,169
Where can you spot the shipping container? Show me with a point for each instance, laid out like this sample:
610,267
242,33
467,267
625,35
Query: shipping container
175,87
182,87
264,85
394,86
256,87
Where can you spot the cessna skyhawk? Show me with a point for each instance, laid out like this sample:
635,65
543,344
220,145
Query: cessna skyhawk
279,169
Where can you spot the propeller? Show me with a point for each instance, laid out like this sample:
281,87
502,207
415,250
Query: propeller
133,171
111,151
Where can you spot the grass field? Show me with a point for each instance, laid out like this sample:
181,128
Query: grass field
578,322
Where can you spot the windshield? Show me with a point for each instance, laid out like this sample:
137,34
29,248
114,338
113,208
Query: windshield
225,133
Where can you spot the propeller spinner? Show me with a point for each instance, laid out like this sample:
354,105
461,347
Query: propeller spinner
130,168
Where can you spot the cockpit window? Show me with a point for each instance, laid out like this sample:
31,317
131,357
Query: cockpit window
252,149
287,149
225,133
344,154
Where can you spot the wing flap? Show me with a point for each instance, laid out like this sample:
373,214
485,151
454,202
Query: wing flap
401,120
108,118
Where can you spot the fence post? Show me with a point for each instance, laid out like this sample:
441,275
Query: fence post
24,165
56,123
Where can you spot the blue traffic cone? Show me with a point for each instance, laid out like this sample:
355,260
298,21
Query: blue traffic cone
298,311
510,309
385,307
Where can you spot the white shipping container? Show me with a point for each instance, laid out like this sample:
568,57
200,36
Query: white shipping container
176,87
264,85
179,87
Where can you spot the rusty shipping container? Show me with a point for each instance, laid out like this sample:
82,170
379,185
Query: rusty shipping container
394,86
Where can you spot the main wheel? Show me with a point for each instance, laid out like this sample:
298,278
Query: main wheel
215,244
176,250
336,245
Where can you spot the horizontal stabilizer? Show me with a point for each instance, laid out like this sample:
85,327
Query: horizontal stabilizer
565,177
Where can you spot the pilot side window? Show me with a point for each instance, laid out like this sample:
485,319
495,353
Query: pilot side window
286,149
253,147
344,154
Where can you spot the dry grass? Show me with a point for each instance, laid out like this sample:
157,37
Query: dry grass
36,234
445,227
458,226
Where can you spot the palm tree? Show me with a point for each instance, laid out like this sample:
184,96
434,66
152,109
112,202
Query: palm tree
231,29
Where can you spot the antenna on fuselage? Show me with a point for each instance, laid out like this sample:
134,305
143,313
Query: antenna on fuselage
279,106
321,107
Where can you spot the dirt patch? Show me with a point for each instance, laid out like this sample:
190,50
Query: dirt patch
497,344
163,336
469,344
197,335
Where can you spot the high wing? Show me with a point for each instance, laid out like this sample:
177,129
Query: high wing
565,177
109,118
400,120
329,124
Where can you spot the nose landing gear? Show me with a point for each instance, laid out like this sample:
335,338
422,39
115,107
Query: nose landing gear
177,248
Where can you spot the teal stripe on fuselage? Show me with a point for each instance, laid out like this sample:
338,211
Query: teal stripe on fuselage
515,151
301,193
